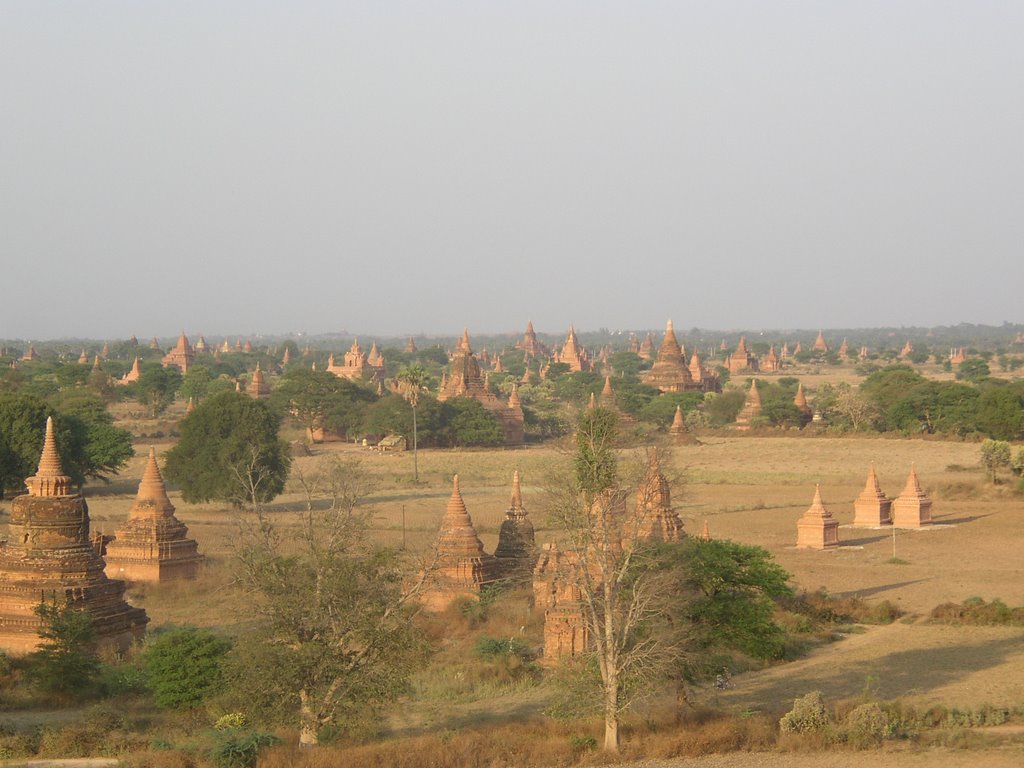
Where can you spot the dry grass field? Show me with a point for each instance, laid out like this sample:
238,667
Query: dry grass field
750,489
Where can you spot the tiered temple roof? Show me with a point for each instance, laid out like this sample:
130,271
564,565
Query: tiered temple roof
152,545
182,356
529,343
771,362
751,408
462,568
912,508
646,349
465,379
49,557
517,548
657,521
356,365
800,401
573,354
872,508
742,359
258,389
819,343
670,372
817,529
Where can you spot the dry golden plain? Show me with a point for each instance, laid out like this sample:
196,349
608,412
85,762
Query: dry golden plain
752,490
749,488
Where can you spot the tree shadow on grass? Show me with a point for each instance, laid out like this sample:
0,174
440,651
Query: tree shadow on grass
947,520
871,591
865,540
901,673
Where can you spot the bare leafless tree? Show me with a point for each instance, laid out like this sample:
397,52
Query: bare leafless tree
624,596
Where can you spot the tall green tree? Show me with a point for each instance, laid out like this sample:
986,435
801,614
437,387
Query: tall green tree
995,454
413,382
195,384
469,424
90,445
318,399
727,596
156,387
229,451
1000,413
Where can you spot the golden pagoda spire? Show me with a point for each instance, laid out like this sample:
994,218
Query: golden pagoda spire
49,479
152,495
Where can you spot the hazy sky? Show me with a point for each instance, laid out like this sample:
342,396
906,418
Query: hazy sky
239,167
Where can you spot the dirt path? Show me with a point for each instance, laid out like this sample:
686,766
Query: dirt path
1008,757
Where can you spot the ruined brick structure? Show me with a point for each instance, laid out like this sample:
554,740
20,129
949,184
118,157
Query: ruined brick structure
573,354
49,556
670,373
258,389
517,548
742,359
751,408
462,568
181,357
465,379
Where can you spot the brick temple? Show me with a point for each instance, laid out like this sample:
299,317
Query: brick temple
152,545
49,557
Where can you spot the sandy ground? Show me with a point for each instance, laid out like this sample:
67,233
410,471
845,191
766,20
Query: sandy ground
1008,757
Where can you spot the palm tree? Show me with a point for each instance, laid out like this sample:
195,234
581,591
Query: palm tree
412,381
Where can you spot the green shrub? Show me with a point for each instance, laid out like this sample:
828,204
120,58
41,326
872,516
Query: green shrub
65,663
183,666
493,648
236,749
807,716
866,725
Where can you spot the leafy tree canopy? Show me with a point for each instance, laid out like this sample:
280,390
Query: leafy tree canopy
229,451
90,445
470,424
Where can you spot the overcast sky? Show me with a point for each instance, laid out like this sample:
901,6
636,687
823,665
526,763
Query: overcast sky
392,168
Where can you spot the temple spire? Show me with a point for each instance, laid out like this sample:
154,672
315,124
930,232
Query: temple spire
49,479
517,492
152,493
